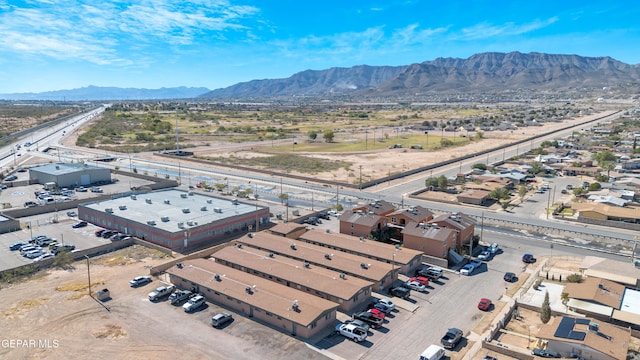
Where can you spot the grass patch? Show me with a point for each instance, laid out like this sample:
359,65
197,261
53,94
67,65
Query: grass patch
80,289
431,142
110,331
25,306
287,162
128,255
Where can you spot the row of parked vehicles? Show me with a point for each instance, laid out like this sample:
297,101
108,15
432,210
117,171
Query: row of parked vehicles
190,301
112,235
40,247
358,328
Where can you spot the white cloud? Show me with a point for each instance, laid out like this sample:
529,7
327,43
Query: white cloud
487,30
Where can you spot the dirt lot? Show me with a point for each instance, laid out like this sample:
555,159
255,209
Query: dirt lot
51,317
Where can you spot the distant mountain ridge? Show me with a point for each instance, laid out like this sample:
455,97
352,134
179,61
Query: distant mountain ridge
481,72
97,93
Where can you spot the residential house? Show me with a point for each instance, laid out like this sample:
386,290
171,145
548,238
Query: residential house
600,211
378,207
290,230
430,239
361,223
402,217
585,338
474,197
463,224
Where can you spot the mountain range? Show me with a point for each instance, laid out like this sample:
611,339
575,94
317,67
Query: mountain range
484,72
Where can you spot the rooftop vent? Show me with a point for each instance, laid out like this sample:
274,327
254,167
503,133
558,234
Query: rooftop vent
134,197
203,208
218,210
328,231
179,265
306,264
327,256
147,200
250,235
186,210
343,276
151,222
239,246
164,218
293,246
359,212
192,223
217,277
271,254
209,201
364,266
122,207
167,201
249,290
108,210
181,225
295,306
184,196
593,326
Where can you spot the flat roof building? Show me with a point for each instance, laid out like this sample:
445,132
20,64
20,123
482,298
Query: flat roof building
69,175
284,308
381,274
176,219
348,291
403,258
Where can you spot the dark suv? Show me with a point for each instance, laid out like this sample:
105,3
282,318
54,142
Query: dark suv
324,215
368,318
401,292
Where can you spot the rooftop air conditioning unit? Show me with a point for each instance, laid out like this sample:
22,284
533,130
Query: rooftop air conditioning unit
293,246
186,210
184,196
294,306
167,201
147,200
306,264
190,193
203,208
359,212
151,222
327,256
164,218
328,231
250,235
364,266
248,290
190,222
271,254
181,225
209,201
134,197
217,277
122,207
218,210
343,276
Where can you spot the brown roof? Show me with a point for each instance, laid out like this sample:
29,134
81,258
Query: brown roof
285,228
615,347
628,212
365,218
378,207
485,185
315,254
474,194
365,247
267,295
428,232
415,213
463,220
315,277
596,290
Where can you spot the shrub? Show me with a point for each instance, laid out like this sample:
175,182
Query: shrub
574,278
537,284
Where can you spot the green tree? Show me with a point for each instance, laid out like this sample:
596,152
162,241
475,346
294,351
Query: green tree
313,135
283,197
604,156
442,182
328,136
479,166
608,166
536,168
595,186
522,191
545,309
499,194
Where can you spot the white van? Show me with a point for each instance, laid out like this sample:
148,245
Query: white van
433,352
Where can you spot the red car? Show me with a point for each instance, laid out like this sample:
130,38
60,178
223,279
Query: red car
377,313
420,279
484,304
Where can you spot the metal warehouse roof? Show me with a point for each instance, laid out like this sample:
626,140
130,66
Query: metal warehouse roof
170,209
64,168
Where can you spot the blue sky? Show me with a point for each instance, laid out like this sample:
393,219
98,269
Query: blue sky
65,44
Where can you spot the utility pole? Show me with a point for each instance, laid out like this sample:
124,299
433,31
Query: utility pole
360,186
548,203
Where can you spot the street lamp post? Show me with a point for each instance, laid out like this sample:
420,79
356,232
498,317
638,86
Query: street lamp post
360,185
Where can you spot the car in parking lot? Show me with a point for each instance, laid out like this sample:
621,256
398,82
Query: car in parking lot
401,292
17,245
79,224
467,269
545,353
379,306
219,319
528,259
451,338
510,277
350,331
368,318
485,255
34,254
72,214
10,178
96,189
81,189
359,323
377,313
416,286
494,248
140,280
484,304
28,248
36,238
387,303
420,279
430,272
62,248
194,303
43,257
324,215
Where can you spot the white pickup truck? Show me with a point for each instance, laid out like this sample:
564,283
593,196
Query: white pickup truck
351,331
160,292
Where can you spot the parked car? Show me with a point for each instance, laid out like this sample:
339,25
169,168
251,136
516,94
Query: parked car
484,304
218,320
377,313
194,303
451,339
35,238
140,280
180,296
43,257
10,178
324,215
79,224
360,324
401,292
81,189
312,221
528,259
30,204
416,286
351,331
510,277
382,307
72,214
485,255
368,318
467,269
17,245
34,254
388,303
99,232
62,248
160,292
430,272
545,353
420,279
96,189
489,357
